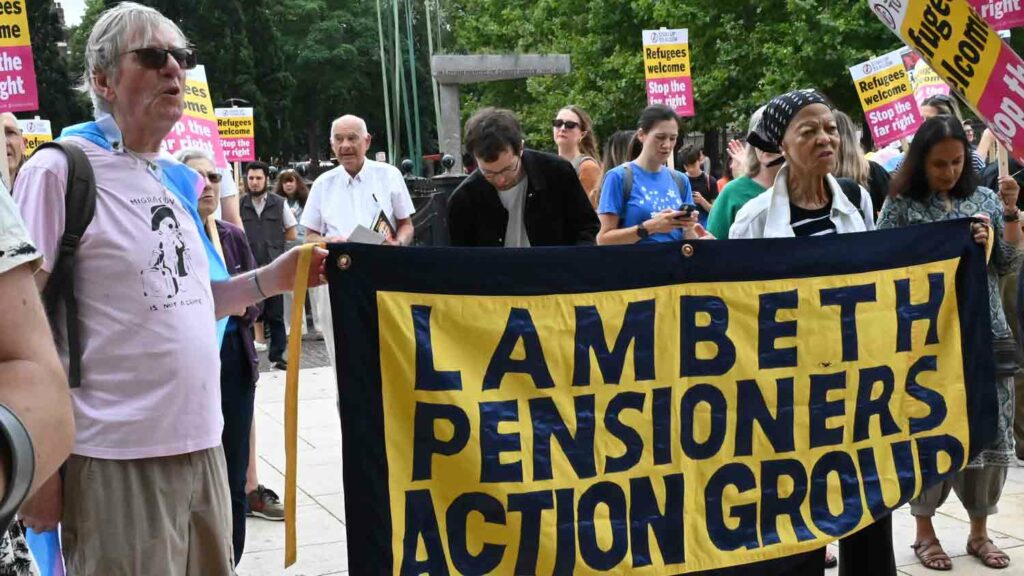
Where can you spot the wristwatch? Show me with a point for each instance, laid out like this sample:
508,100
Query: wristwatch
642,232
18,453
1012,216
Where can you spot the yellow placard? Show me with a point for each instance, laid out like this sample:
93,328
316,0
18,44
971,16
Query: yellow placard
14,24
513,446
666,60
884,87
198,103
33,141
236,127
960,46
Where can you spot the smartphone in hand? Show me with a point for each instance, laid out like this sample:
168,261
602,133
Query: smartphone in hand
686,210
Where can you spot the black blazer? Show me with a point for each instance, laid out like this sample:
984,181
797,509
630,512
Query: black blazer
556,213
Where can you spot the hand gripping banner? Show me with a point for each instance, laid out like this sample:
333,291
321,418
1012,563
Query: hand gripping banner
655,409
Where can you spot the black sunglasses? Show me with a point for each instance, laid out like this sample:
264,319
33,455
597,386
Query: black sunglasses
569,124
212,177
156,58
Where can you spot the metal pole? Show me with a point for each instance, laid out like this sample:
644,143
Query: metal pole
433,81
408,116
384,80
417,157
397,103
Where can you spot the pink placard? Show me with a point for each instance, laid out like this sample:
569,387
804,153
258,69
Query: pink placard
18,91
1002,103
1001,14
239,149
192,132
897,119
676,93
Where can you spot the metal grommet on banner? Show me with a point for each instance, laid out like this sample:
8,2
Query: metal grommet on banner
687,250
344,262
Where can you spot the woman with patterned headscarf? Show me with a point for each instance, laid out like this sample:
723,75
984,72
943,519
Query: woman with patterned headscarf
806,200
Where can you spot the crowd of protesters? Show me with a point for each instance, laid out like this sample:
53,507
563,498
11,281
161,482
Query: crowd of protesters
181,275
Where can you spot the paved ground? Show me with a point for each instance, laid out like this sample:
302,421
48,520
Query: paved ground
321,512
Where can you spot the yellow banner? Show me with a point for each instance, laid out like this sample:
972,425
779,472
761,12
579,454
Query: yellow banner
14,24
664,430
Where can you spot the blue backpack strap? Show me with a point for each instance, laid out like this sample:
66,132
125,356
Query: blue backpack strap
678,178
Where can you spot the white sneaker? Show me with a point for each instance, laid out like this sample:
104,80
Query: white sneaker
260,346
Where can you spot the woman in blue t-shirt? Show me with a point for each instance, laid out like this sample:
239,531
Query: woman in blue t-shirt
641,200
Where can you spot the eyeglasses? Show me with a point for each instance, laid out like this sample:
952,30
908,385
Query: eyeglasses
510,169
211,177
156,58
569,124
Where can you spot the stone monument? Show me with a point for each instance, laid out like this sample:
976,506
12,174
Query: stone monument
452,71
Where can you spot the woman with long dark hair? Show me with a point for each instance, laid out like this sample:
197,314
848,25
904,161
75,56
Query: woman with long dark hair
641,200
938,182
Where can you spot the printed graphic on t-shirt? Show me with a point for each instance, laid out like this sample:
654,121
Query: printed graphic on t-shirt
169,279
659,200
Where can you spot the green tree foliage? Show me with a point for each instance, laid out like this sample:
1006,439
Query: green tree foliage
79,35
58,101
240,47
300,63
333,52
330,47
743,53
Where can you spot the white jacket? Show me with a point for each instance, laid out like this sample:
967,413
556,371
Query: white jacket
767,215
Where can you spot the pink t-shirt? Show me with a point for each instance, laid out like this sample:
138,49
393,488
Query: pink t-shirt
150,358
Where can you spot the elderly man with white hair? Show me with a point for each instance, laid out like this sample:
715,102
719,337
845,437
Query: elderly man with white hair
359,192
15,143
145,489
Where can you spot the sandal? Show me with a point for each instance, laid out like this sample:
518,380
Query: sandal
992,558
932,556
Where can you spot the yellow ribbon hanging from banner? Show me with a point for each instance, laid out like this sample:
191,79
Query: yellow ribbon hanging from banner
291,400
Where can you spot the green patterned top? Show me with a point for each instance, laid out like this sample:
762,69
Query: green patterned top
1006,259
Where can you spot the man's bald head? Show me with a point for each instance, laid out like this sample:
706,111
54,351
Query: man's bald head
350,140
350,122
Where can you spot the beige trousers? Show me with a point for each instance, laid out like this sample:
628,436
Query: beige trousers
1008,286
166,516
979,490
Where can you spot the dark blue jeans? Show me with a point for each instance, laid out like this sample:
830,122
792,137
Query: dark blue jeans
237,396
273,319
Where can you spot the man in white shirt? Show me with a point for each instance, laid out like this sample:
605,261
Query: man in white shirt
359,192
228,208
